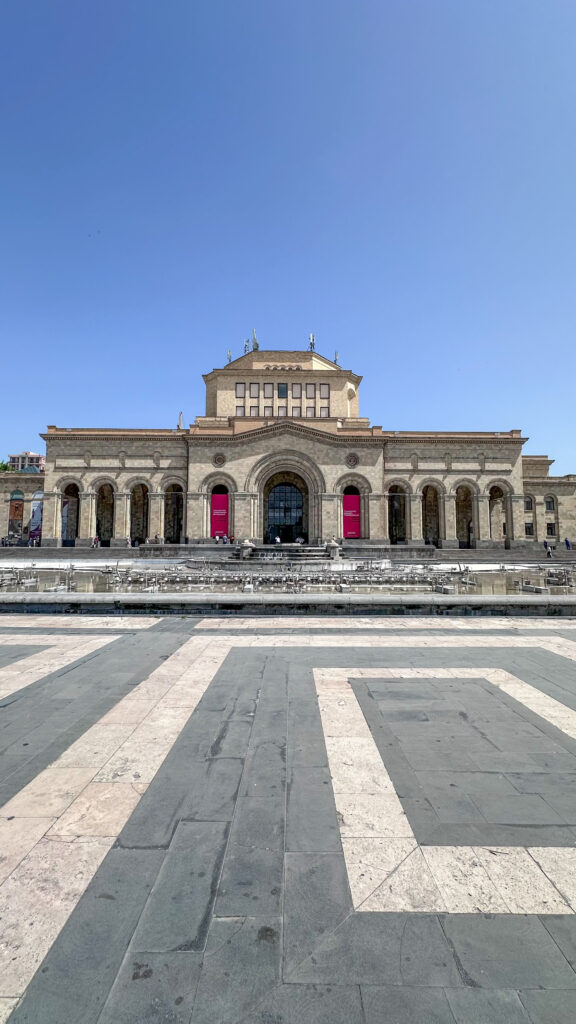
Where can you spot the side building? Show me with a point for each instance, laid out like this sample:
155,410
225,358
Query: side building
282,451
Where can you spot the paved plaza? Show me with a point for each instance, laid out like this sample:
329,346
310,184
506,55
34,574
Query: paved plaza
287,820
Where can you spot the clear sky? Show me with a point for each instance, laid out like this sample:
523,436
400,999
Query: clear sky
397,176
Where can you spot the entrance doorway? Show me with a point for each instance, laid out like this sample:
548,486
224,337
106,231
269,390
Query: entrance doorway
285,509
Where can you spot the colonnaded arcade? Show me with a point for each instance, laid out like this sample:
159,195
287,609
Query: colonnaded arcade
282,451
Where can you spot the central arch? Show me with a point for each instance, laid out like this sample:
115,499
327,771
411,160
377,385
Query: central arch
286,508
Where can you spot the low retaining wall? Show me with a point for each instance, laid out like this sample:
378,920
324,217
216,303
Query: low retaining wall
290,604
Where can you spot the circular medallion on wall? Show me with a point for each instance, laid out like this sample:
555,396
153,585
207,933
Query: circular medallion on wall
218,460
352,460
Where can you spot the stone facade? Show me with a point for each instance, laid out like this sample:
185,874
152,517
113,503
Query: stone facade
282,449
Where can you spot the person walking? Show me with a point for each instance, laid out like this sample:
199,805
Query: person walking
567,543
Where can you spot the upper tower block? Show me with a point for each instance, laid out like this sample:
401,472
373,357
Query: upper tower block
270,384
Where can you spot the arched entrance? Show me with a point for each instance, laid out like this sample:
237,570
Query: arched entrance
70,502
285,508
139,514
431,515
351,512
220,511
464,516
105,514
173,513
397,514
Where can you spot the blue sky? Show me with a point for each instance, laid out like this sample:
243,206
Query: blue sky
397,176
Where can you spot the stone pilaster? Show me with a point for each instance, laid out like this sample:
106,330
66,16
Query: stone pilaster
242,516
517,516
416,535
450,539
377,526
194,528
331,515
121,519
52,519
483,520
87,519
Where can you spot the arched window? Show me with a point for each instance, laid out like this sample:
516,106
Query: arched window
431,515
528,504
550,503
464,516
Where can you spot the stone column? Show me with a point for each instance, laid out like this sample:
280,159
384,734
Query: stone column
51,519
121,519
450,539
86,519
330,507
416,535
483,520
156,515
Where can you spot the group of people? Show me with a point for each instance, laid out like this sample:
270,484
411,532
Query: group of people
224,538
548,549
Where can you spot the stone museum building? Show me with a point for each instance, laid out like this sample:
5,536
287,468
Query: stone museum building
283,452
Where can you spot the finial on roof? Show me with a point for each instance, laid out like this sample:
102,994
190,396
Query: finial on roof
229,355
312,345
336,358
255,345
246,346
180,422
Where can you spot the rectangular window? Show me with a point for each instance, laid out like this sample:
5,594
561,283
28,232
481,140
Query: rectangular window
254,410
324,390
529,529
550,505
310,410
240,410
325,410
282,391
282,410
268,410
527,504
268,391
550,529
240,390
296,410
310,391
296,391
254,391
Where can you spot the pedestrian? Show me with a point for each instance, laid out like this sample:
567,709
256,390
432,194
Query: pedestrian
548,552
567,543
95,542
128,545
277,539
216,539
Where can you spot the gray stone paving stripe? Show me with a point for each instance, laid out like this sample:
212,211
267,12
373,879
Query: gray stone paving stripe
176,916
153,988
477,1005
383,949
239,970
316,900
82,693
438,806
310,1004
385,1003
550,1007
312,825
11,653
